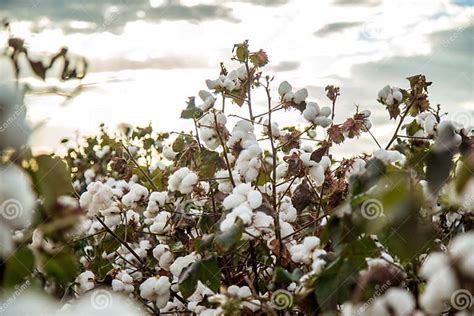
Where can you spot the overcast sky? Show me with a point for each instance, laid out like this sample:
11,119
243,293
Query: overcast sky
148,56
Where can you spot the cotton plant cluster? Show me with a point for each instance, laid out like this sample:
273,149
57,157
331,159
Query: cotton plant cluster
241,216
446,273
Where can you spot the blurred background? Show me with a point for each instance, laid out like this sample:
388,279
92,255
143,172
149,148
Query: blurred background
146,57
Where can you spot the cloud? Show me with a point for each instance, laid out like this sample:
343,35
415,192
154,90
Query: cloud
109,15
449,67
286,66
335,28
358,2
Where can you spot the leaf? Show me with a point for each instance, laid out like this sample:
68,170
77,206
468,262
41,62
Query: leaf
319,153
283,278
191,111
334,285
225,240
52,179
63,267
263,177
210,161
18,267
438,168
241,52
100,266
205,270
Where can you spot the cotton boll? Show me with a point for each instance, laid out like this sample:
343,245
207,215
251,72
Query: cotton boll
281,170
325,111
254,198
284,88
287,210
322,121
288,97
274,129
384,92
233,200
181,263
325,162
310,113
160,224
229,85
394,301
213,84
262,220
286,228
317,174
156,289
244,213
17,200
397,95
85,282
168,153
300,96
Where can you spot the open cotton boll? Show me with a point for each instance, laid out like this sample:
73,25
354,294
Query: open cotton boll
357,168
181,263
233,200
287,210
274,129
136,193
168,152
85,282
395,301
325,111
284,88
182,180
164,256
17,200
244,213
213,84
98,197
300,96
317,174
160,224
303,253
254,199
384,92
310,113
389,156
156,289
461,250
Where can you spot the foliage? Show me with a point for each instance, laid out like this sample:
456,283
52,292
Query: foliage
222,221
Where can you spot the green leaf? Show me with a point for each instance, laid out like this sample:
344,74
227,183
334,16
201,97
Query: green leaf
263,177
18,267
438,168
225,240
283,278
52,179
63,267
205,270
100,266
209,161
191,111
334,285
241,52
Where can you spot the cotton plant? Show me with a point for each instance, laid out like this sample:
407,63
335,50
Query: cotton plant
246,215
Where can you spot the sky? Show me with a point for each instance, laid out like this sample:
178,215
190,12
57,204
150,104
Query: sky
147,56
